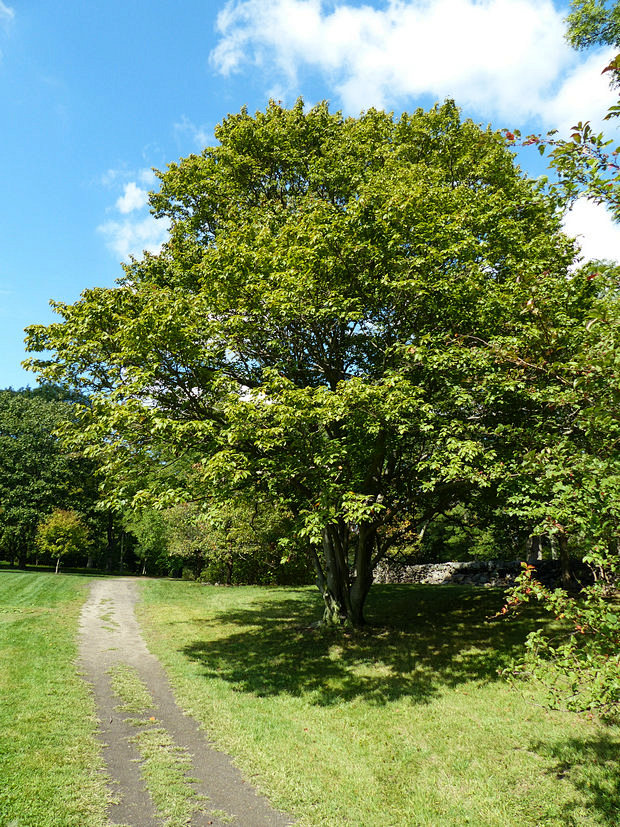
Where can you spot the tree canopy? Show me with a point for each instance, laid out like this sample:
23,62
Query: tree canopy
593,23
347,319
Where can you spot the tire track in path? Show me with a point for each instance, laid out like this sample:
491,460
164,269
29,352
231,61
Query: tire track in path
111,640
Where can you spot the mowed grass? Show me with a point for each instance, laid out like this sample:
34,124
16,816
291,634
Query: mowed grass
406,724
49,761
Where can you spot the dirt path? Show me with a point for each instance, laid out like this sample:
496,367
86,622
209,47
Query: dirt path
210,789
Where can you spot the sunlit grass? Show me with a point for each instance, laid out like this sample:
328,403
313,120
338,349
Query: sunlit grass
405,724
50,764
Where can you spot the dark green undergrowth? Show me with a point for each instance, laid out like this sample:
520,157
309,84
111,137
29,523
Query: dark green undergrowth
406,722
50,765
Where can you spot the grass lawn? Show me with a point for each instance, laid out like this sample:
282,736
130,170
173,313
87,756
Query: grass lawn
49,761
407,724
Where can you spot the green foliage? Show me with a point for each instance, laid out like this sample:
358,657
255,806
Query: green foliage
470,531
36,472
593,23
584,165
150,529
570,482
570,486
190,543
322,328
587,163
254,542
235,542
62,534
579,661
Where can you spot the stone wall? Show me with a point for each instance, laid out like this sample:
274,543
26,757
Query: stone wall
474,572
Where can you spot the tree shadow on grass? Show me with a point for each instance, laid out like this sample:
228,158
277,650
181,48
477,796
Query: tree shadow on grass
592,767
419,639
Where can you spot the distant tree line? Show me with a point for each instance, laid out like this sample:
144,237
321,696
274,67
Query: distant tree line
52,511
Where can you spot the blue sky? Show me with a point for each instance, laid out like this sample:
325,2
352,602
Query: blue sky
94,95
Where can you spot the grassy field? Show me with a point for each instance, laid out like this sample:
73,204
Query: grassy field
406,725
50,766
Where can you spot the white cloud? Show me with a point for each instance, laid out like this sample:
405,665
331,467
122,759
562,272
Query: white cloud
583,96
596,233
6,12
502,58
131,237
122,175
200,136
148,178
133,198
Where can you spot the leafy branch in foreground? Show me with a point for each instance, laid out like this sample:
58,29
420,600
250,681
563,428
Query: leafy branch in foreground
587,164
570,488
573,484
579,660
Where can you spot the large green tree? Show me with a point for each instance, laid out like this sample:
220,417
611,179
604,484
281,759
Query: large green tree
593,23
323,326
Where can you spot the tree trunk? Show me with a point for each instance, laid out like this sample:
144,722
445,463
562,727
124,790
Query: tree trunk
534,549
109,550
565,573
122,557
336,581
199,565
344,592
363,573
57,565
553,541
